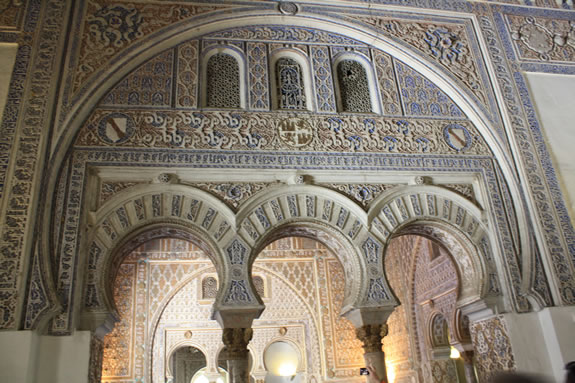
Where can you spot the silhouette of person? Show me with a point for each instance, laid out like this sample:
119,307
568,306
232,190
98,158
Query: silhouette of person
570,377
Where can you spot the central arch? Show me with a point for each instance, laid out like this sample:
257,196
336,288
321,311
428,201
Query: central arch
329,217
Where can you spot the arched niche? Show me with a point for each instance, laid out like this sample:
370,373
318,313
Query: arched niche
438,331
370,77
240,61
300,59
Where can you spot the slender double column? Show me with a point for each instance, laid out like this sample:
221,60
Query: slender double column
236,342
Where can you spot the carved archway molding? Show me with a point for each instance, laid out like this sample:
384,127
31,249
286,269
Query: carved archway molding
133,217
146,212
331,218
460,226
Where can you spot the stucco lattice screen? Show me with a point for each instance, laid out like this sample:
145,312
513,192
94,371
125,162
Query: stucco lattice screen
290,84
353,87
223,82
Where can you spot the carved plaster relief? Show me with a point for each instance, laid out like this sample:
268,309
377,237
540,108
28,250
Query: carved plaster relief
246,131
543,39
113,26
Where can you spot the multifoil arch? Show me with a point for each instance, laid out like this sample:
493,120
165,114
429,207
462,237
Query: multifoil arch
331,218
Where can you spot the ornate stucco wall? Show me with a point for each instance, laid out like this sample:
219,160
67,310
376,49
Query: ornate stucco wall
161,305
105,135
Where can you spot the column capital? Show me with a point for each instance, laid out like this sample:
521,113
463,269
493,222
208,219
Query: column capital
237,317
236,341
371,336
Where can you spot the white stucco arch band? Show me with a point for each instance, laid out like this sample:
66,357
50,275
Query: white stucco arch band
135,216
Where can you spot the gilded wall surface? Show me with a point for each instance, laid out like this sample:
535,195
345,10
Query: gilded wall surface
159,296
424,276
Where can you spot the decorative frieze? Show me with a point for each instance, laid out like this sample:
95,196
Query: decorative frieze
248,131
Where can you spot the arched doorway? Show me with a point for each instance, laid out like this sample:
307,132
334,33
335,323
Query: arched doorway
186,365
428,332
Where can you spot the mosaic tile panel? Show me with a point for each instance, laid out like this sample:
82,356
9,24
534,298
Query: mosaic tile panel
420,97
149,85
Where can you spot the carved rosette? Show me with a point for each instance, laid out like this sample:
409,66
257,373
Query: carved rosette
371,336
236,341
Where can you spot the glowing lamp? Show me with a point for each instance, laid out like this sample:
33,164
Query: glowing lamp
281,359
454,353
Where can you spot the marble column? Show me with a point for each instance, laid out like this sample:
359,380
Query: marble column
236,350
371,336
468,368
